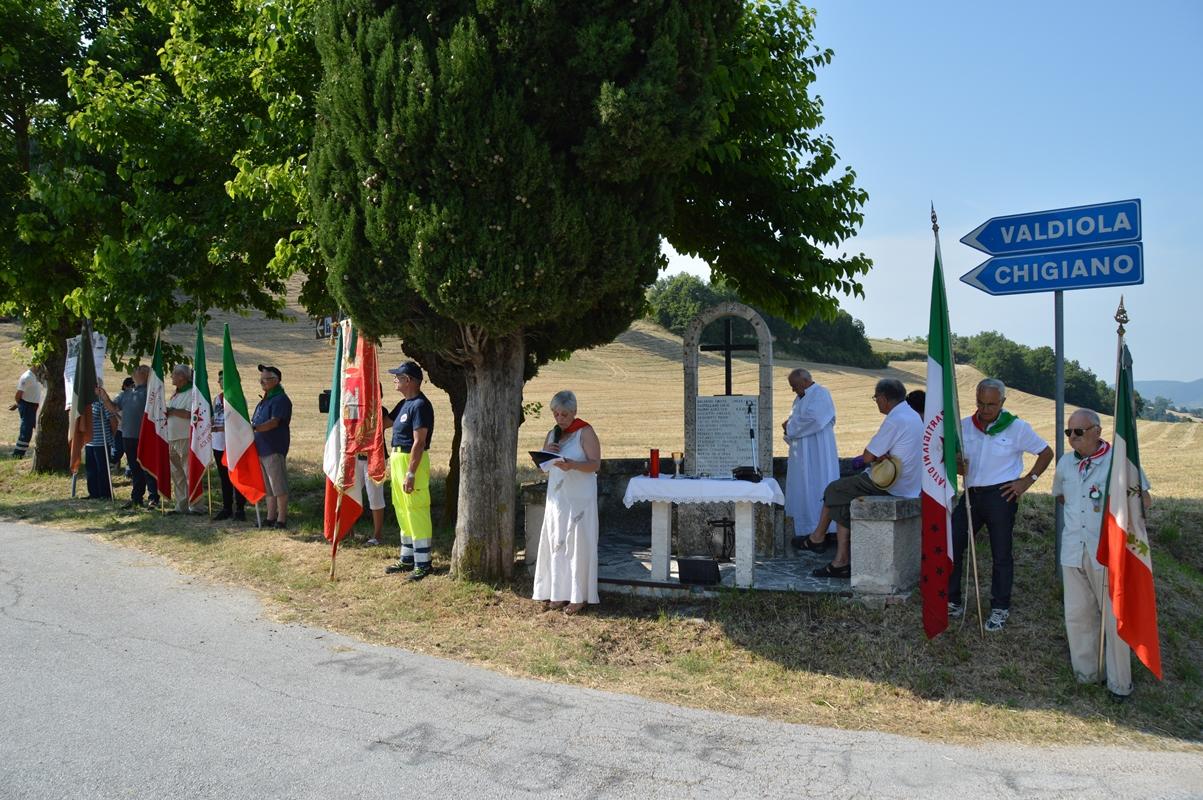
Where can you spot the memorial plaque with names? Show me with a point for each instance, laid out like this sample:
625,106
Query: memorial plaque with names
722,440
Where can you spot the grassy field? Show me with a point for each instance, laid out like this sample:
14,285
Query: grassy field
804,659
630,390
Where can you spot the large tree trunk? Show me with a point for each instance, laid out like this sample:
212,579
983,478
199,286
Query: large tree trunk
51,453
484,533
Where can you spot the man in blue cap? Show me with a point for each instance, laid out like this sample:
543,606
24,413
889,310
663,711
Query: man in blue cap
413,423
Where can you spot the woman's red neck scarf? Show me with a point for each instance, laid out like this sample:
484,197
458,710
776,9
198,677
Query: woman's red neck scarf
1084,462
573,427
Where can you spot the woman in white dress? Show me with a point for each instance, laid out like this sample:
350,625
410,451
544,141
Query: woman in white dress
566,566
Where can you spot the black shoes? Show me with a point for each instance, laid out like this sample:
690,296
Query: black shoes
808,544
832,571
223,514
400,566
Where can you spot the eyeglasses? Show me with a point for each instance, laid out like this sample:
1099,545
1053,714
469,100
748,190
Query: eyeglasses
1079,431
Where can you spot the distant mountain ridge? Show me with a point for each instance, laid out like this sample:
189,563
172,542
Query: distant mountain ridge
1187,394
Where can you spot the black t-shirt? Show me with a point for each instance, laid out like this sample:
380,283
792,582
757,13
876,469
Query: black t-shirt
409,415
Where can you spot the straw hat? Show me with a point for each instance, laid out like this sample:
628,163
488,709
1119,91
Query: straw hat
885,471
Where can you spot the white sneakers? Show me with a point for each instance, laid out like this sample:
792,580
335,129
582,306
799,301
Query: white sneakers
998,618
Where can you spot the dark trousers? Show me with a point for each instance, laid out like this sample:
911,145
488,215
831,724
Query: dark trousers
141,481
96,466
116,449
997,513
29,418
231,498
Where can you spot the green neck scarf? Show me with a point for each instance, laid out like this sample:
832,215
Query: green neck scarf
275,390
1005,418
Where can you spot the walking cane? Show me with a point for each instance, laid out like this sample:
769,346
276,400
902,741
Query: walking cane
977,590
104,440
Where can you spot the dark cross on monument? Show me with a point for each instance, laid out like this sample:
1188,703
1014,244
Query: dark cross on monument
726,348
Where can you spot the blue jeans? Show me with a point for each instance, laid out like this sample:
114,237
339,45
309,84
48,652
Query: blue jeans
29,419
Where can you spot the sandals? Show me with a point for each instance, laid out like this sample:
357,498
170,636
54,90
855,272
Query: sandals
806,543
574,608
832,571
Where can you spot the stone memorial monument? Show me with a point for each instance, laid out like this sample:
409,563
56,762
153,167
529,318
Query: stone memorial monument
726,431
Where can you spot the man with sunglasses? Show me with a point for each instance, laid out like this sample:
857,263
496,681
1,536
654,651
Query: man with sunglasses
994,442
1080,486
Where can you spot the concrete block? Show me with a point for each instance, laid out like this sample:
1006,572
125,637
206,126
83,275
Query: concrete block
886,545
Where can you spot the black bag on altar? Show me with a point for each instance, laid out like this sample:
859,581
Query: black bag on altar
749,474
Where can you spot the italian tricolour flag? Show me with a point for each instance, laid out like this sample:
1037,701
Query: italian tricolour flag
1124,540
200,443
241,457
941,443
343,492
152,435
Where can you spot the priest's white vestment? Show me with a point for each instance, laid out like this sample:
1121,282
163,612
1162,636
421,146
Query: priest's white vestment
813,463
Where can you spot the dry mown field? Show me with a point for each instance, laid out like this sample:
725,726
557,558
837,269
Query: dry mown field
632,392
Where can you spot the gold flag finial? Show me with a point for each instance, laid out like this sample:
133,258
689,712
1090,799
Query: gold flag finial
935,226
1121,315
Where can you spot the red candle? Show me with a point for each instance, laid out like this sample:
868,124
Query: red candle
654,461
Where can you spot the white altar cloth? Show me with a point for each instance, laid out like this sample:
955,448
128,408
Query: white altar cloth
662,492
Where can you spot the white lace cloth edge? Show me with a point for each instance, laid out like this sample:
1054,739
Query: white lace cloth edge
701,490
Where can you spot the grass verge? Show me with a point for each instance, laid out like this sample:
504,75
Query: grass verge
814,660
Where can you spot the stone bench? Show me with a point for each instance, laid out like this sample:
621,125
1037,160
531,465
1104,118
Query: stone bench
887,535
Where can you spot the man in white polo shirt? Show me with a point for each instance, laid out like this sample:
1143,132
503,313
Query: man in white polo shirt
899,436
994,442
25,402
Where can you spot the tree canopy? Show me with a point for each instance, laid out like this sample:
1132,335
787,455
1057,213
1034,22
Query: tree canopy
674,302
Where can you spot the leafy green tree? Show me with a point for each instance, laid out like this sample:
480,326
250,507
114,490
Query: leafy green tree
674,302
507,169
763,201
42,259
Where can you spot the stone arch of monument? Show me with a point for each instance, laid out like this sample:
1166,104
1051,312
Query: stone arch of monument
764,339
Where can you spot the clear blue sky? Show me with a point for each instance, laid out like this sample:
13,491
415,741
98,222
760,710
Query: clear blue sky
989,109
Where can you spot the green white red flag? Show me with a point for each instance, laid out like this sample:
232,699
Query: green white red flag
83,393
153,453
241,457
940,446
343,488
1124,539
200,430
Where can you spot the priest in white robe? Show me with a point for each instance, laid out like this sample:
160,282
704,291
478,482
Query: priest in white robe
813,463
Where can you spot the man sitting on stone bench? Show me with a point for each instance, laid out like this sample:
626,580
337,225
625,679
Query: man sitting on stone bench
900,435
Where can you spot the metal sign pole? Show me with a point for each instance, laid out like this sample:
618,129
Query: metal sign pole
1059,336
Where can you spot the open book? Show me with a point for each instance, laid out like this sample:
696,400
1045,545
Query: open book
543,458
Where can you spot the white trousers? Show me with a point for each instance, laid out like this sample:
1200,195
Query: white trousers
1085,599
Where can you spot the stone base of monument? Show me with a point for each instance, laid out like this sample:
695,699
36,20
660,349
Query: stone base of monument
886,545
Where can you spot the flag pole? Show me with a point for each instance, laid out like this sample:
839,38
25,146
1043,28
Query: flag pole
1121,319
334,539
977,587
104,441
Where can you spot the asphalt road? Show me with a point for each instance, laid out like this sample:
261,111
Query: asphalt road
121,678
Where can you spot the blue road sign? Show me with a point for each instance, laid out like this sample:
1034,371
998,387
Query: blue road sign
1082,268
1062,228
